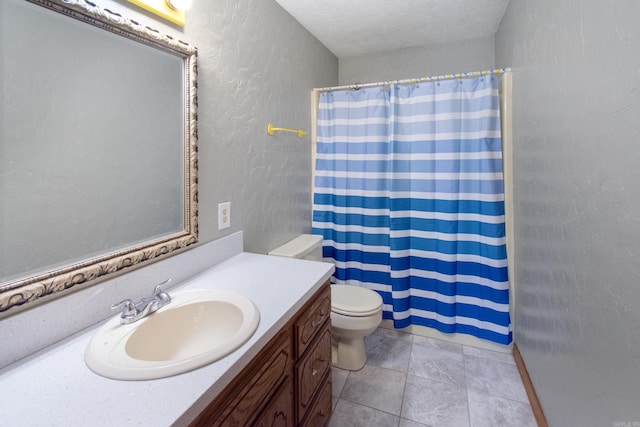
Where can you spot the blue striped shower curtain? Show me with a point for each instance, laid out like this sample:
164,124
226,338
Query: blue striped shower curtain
409,198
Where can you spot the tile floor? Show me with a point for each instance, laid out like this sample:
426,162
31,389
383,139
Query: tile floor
413,381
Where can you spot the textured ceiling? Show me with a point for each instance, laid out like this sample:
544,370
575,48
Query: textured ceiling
360,27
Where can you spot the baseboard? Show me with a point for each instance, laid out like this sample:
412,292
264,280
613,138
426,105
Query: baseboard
463,339
528,386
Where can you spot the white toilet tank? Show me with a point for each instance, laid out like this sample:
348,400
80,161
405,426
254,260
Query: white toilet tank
305,246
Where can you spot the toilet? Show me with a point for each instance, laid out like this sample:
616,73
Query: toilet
355,311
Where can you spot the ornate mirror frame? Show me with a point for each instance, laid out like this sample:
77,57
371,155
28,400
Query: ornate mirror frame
16,293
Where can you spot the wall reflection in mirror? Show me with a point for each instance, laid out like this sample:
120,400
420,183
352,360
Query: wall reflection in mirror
98,146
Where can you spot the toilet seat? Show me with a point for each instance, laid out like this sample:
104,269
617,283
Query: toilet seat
354,301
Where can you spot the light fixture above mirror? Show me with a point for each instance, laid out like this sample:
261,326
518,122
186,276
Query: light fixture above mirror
179,4
171,10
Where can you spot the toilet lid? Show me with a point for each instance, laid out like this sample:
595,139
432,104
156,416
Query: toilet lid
354,301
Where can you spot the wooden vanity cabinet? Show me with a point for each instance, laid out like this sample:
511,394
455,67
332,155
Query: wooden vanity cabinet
289,382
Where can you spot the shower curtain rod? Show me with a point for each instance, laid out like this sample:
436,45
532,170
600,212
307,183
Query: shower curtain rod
416,80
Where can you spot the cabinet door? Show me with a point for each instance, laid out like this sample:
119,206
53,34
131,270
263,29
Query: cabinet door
279,411
320,414
244,398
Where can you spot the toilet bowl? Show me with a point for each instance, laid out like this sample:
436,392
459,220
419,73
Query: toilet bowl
355,311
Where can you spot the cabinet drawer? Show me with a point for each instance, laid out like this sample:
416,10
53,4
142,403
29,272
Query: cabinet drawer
320,413
311,370
312,319
239,403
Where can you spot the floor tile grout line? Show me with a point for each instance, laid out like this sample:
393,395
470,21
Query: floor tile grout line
389,369
371,407
406,377
489,359
344,385
466,385
488,392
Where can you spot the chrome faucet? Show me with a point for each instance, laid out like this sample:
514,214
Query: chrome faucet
134,311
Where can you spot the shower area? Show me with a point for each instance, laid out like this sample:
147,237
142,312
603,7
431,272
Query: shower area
412,196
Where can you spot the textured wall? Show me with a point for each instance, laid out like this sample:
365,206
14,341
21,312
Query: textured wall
257,65
458,57
576,77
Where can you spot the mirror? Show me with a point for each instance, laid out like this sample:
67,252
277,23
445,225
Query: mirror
98,151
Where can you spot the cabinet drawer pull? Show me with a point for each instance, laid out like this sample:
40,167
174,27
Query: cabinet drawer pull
316,322
313,373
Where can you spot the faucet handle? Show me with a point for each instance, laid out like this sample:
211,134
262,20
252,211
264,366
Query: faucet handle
157,289
127,306
160,294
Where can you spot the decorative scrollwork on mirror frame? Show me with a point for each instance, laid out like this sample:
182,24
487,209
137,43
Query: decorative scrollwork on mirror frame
44,285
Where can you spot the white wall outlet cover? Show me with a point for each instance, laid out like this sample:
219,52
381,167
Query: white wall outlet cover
224,215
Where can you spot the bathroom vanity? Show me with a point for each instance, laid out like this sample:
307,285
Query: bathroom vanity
289,382
280,377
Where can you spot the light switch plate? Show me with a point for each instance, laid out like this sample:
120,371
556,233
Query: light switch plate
224,215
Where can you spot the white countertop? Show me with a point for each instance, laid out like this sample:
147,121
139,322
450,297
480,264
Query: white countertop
54,387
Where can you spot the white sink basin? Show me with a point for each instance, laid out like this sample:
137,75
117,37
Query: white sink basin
198,327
